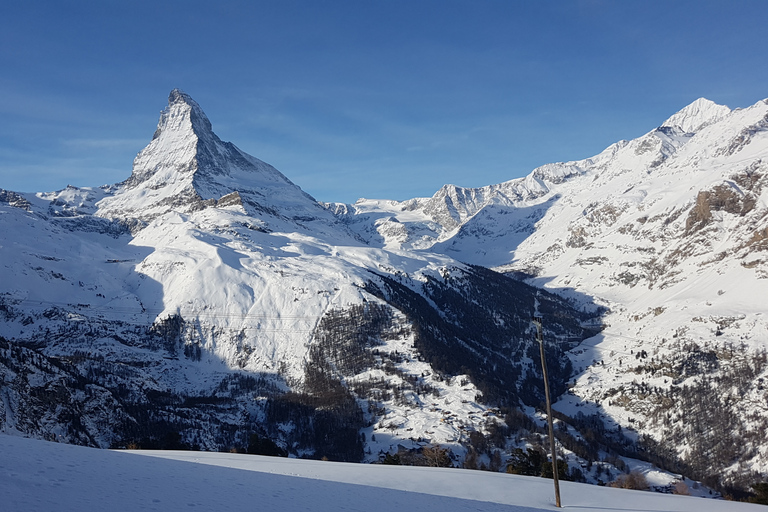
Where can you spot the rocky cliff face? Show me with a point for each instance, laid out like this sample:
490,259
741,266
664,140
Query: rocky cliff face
187,168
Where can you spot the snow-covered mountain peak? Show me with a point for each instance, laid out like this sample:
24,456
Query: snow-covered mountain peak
183,146
697,115
183,114
186,167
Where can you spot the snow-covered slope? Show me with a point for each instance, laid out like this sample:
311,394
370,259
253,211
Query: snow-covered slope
49,476
459,221
670,232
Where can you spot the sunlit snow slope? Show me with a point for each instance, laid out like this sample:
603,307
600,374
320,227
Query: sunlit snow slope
670,232
48,476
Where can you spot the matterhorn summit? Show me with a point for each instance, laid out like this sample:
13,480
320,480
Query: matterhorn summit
187,168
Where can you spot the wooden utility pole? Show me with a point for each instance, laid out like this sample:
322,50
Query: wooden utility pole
537,320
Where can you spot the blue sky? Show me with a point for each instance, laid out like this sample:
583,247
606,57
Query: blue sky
349,99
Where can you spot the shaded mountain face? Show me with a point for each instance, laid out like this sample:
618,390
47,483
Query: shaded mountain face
206,301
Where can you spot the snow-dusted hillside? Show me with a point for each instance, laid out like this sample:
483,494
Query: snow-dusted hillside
49,476
670,232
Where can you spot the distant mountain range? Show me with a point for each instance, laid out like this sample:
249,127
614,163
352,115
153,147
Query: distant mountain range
207,301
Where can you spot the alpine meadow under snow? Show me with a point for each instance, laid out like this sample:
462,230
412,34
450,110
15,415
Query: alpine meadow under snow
207,302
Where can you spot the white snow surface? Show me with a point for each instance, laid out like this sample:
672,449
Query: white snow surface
45,476
697,115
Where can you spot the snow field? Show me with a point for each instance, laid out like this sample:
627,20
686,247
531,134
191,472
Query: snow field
43,476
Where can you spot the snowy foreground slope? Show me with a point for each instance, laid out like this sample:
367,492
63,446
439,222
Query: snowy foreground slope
43,476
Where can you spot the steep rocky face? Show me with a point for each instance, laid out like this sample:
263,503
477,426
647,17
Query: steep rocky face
186,168
13,199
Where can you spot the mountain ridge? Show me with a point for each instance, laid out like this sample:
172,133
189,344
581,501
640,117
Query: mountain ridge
669,233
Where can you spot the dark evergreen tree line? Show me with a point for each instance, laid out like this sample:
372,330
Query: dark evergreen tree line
478,322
